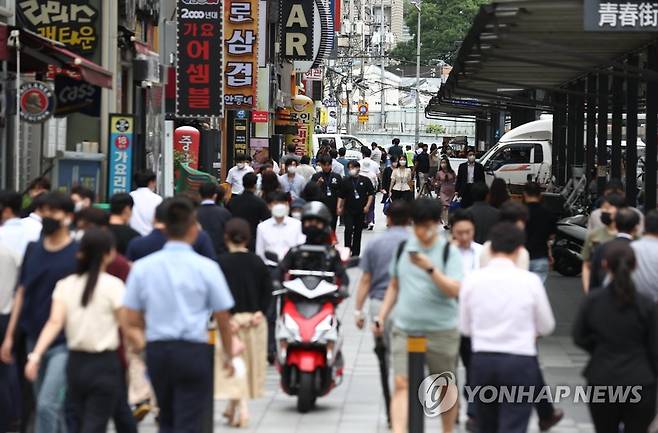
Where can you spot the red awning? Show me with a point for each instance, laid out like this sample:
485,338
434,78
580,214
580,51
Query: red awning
39,54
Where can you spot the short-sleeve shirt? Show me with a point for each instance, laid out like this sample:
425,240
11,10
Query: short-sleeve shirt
376,259
178,290
330,188
421,305
540,227
355,191
93,328
594,239
41,271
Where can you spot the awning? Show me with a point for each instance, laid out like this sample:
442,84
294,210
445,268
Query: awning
517,47
39,54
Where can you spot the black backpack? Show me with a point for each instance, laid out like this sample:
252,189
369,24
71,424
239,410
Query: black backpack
398,254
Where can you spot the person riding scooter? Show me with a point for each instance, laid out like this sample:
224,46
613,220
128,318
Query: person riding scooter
316,225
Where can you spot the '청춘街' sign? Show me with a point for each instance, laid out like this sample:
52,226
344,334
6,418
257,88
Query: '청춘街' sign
620,16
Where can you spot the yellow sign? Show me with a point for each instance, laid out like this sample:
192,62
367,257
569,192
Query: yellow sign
302,115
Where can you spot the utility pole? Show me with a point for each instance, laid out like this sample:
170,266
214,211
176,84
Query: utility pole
417,5
382,40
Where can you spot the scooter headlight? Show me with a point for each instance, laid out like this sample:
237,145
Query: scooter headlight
323,328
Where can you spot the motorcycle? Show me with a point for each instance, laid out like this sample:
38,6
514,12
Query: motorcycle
308,337
568,244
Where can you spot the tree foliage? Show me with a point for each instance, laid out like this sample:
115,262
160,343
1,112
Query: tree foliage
443,26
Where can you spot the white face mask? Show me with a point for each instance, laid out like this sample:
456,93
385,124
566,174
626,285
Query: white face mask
292,169
280,210
318,169
297,215
354,172
403,163
79,206
240,165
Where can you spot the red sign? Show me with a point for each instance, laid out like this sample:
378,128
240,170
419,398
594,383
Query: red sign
186,142
260,116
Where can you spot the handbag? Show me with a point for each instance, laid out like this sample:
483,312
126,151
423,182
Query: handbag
455,204
387,204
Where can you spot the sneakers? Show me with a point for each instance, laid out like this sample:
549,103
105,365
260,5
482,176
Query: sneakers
547,424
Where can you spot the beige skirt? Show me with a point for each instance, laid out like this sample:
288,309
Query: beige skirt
250,366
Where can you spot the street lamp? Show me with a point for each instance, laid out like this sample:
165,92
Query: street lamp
348,91
416,4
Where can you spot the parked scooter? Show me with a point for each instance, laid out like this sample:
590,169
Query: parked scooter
308,336
568,244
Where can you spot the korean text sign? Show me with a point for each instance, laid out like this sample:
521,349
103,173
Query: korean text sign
122,130
241,56
199,66
621,16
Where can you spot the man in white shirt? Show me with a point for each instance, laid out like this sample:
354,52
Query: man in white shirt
291,181
9,265
14,233
146,200
279,233
503,329
376,153
463,233
305,169
236,173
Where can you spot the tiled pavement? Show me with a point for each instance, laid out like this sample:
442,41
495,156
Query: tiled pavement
356,406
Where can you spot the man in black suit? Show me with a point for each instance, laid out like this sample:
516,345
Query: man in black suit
469,172
249,206
484,215
213,217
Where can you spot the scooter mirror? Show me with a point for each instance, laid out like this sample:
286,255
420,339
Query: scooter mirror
353,262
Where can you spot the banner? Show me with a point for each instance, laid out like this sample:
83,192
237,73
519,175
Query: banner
199,65
302,115
75,96
241,59
186,146
120,156
297,23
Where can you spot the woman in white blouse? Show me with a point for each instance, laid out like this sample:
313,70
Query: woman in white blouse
86,305
402,182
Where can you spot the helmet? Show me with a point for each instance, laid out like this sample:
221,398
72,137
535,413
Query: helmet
317,210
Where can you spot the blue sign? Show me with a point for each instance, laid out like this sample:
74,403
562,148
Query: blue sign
120,153
241,114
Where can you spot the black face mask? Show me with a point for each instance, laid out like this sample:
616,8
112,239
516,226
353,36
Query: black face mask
50,225
315,235
606,218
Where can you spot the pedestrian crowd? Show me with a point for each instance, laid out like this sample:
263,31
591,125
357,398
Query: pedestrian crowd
107,315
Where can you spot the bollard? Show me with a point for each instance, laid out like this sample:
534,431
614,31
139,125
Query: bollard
416,346
208,417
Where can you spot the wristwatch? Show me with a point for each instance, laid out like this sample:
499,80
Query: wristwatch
430,270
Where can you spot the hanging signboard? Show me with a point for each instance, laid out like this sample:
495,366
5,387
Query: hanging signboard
71,22
37,102
297,22
120,153
240,47
320,28
199,63
75,96
620,16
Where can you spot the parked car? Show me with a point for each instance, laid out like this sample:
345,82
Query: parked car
351,143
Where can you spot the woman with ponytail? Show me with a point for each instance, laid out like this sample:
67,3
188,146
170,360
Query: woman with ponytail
85,306
616,325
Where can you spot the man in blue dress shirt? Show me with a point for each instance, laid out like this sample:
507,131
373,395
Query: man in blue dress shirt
171,294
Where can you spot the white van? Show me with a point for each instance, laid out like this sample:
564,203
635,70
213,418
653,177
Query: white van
351,143
525,151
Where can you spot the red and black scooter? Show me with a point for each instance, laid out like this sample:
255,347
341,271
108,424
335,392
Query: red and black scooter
307,333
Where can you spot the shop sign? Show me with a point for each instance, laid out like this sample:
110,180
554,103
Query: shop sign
199,63
71,22
121,153
260,116
620,16
75,96
297,25
241,57
37,102
302,116
314,74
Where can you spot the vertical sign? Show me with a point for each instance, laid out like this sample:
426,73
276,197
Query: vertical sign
241,133
199,65
121,153
302,116
620,16
241,53
186,145
297,23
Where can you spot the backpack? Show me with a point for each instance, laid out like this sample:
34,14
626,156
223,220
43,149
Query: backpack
398,254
